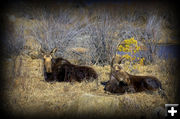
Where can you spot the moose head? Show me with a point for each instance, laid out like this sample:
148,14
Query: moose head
48,57
118,72
116,69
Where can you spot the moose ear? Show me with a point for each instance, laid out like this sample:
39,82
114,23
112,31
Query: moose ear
44,56
41,53
118,67
121,60
42,50
54,50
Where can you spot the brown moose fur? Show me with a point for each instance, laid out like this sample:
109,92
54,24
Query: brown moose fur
63,70
115,86
131,83
139,83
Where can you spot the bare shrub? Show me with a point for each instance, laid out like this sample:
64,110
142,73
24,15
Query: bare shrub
13,45
97,30
66,31
59,31
103,37
151,37
13,42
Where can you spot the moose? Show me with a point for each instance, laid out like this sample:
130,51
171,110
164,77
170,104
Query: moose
117,82
121,81
59,69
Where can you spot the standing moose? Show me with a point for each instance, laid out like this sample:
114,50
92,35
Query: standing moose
59,69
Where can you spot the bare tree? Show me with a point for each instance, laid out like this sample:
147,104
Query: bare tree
57,31
102,39
151,37
97,30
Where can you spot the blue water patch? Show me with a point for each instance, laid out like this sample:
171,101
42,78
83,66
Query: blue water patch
169,51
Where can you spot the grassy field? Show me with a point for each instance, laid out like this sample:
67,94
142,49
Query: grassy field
29,29
30,96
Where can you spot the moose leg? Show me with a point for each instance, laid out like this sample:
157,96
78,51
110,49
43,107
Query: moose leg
152,84
149,92
55,76
130,89
71,78
48,77
162,93
67,74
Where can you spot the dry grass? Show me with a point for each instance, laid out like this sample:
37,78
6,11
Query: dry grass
30,96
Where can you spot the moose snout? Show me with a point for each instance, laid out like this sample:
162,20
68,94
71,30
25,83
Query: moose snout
48,70
121,79
48,67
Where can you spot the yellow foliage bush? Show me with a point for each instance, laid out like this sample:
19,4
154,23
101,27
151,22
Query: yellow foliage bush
131,46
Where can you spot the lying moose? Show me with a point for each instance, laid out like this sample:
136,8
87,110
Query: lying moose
117,82
59,69
121,81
